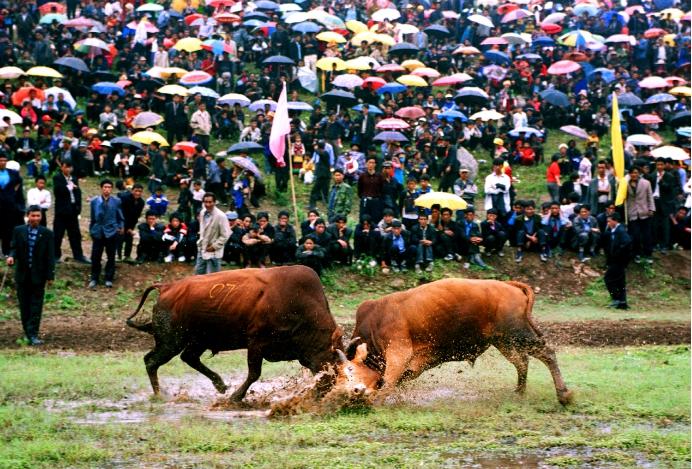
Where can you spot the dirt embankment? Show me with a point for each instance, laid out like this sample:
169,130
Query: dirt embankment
103,335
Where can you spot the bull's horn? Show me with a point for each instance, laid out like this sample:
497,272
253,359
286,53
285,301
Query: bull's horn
342,356
352,342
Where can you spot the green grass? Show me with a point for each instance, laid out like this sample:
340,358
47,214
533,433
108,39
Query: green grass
632,407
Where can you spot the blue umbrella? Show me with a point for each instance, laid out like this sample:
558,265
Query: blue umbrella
403,48
543,41
260,104
267,5
204,91
607,74
530,56
660,98
73,62
256,15
684,132
306,27
245,147
589,9
450,115
627,99
298,106
680,119
392,88
391,135
497,56
555,97
253,23
126,141
373,109
279,59
106,87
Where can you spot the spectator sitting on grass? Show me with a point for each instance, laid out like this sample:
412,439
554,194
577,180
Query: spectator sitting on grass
311,254
587,234
530,236
493,234
555,226
471,238
150,248
157,202
174,238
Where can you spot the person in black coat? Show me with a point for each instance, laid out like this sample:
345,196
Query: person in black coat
663,185
397,249
340,248
132,205
11,202
175,120
618,250
34,260
68,206
366,239
493,233
283,249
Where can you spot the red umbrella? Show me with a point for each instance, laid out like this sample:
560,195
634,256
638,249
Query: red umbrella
563,67
23,93
189,19
551,28
221,3
675,81
411,112
390,68
392,124
188,147
494,41
374,83
576,57
506,8
649,119
654,32
227,18
50,6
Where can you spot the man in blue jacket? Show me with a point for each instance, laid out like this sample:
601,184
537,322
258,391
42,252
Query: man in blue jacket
105,225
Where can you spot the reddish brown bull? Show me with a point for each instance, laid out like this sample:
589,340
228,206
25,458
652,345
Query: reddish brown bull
399,336
277,314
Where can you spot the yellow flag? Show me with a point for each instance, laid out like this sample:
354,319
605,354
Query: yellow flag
618,153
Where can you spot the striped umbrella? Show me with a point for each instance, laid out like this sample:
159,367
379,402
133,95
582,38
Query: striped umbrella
195,77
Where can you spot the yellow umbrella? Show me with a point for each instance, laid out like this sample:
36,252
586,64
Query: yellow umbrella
180,5
426,72
681,90
331,36
327,64
412,80
146,137
173,89
363,36
669,40
44,72
176,71
361,63
356,26
189,44
412,64
444,199
674,13
385,39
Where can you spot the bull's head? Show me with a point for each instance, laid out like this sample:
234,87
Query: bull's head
353,377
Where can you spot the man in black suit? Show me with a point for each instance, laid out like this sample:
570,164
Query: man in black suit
663,185
32,253
296,49
11,202
175,120
68,206
618,249
365,126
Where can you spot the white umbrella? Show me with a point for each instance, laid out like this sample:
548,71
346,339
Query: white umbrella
284,7
554,18
150,7
385,14
348,80
669,151
233,98
10,73
54,91
514,38
482,20
487,115
642,140
14,117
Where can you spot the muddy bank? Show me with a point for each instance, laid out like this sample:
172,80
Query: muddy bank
104,335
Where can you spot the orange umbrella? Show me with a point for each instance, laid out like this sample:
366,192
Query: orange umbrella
23,93
52,7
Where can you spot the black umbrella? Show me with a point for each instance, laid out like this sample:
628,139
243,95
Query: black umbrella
104,75
126,141
681,119
279,60
255,15
555,97
245,147
73,62
403,48
339,97
472,96
437,30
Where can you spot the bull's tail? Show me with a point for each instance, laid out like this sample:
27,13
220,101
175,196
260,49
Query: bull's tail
149,326
530,297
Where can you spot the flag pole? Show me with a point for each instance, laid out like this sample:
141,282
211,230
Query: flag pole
296,224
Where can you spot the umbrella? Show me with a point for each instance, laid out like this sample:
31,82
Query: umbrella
577,38
494,72
669,151
361,63
23,93
106,88
675,81
649,119
495,41
553,18
246,163
487,115
412,80
515,15
586,9
680,119
443,199
624,38
72,62
426,72
437,30
348,80
555,97
654,33
257,15
81,23
385,14
551,28
150,7
67,96
125,141
528,131
278,60
576,56
404,48
530,57
195,77
392,88
497,56
373,109
188,44
563,67
10,73
452,79
390,136
261,104
356,26
306,27
607,74
44,72
52,7
410,112
146,119
148,27
543,41
330,36
284,7
330,63
245,147
339,97
267,5
204,91
482,20
628,99
681,90
298,106
394,68
575,131
684,131
233,99
374,82
392,124
653,82
14,117
516,38
642,140
173,90
49,18
188,147
450,115
472,96
466,50
146,137
92,45
660,98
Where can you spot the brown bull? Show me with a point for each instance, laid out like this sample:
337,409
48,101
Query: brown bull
277,314
399,336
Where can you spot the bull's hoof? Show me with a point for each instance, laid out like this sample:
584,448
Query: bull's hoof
237,397
565,397
521,390
221,388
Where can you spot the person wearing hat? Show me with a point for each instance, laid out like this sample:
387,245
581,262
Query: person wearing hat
618,246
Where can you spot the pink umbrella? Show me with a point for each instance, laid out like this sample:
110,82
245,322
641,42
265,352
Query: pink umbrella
426,72
80,22
453,15
392,124
466,50
495,41
188,147
149,27
123,83
515,15
452,80
675,81
653,82
374,83
348,80
411,112
563,67
390,68
649,119
195,77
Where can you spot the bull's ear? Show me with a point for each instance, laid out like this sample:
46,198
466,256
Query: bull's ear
361,353
337,339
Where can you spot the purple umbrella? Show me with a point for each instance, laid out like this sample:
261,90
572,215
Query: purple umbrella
575,131
247,164
391,136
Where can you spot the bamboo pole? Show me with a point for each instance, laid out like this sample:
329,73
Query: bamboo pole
296,223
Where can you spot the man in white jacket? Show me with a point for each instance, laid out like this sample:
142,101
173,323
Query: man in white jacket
41,197
214,231
200,121
497,186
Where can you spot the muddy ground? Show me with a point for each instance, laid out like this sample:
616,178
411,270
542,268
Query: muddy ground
104,334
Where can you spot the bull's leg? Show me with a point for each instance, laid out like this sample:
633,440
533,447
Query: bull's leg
520,360
254,370
161,355
191,356
416,366
397,358
547,356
